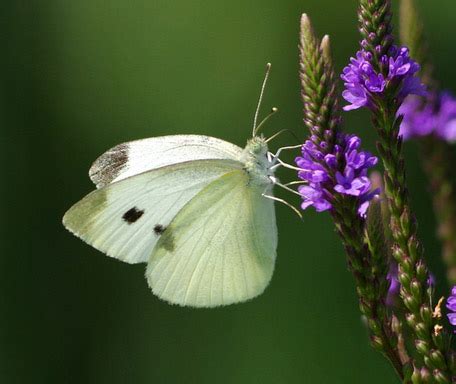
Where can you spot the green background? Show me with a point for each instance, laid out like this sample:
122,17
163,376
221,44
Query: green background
81,76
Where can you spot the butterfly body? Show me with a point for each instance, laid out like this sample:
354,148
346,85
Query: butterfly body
193,208
257,163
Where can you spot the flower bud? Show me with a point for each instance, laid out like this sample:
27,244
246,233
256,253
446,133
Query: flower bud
425,375
411,320
410,302
377,343
415,288
437,359
421,271
422,347
439,377
426,313
422,331
404,279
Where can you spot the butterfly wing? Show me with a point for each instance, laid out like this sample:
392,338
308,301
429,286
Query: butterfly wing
220,249
126,218
132,158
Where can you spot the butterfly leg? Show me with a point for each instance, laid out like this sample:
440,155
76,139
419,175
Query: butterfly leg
276,155
296,183
276,181
283,164
295,210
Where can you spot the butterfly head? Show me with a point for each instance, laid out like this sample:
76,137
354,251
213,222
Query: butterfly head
257,162
257,146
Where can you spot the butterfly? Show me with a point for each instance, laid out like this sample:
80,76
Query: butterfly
198,210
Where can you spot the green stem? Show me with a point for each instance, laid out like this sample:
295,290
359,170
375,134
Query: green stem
321,116
391,354
371,283
412,271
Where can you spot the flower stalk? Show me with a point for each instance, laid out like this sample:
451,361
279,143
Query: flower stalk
382,63
335,171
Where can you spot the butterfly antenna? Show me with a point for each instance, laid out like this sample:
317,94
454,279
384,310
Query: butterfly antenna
273,112
277,134
298,140
266,76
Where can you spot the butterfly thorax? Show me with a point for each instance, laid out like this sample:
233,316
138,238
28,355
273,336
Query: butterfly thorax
257,163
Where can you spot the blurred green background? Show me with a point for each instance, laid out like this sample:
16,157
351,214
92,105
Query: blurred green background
81,76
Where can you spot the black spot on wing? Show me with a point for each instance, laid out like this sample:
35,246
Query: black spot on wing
159,229
132,215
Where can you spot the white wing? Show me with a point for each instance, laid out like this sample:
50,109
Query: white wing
138,156
220,249
125,219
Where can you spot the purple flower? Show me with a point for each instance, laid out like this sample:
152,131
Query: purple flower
312,171
418,118
451,305
394,287
363,84
400,63
360,160
343,171
446,127
357,96
433,115
365,199
348,184
315,196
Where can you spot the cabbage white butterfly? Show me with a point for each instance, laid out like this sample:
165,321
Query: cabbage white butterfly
198,210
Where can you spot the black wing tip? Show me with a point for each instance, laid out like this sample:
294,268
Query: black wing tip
108,166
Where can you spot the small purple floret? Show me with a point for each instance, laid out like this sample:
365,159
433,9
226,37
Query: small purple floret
324,180
451,305
348,184
363,84
433,115
394,288
314,196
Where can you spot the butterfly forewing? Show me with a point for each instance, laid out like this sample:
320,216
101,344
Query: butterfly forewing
219,249
138,156
125,219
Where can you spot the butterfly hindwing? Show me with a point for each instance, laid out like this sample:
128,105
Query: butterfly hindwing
135,157
219,249
125,219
